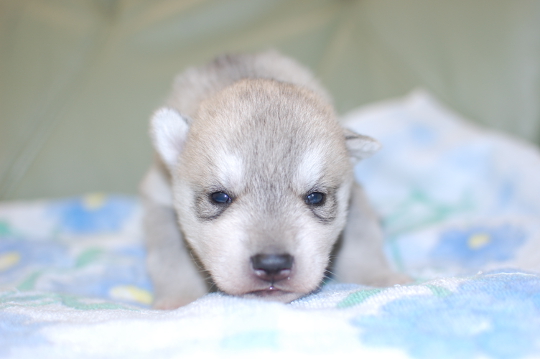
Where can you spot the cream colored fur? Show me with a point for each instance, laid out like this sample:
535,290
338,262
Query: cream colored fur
261,129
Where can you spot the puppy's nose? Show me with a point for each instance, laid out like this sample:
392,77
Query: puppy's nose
272,267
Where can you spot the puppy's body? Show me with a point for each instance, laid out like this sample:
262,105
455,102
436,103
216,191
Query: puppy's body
253,185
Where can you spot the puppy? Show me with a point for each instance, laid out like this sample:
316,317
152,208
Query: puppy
253,186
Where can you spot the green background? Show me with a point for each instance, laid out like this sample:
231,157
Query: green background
79,79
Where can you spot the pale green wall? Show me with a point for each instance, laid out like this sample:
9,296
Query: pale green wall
78,79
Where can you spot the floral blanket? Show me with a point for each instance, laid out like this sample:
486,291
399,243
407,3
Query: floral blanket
461,211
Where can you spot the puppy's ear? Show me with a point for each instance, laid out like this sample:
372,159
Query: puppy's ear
360,146
168,130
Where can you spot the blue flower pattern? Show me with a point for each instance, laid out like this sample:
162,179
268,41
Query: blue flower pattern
92,214
65,265
496,316
478,245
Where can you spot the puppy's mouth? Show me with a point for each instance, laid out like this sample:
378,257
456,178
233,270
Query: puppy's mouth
271,291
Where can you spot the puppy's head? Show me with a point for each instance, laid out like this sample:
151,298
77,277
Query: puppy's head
261,182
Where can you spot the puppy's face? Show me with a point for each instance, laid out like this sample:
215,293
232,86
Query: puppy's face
261,188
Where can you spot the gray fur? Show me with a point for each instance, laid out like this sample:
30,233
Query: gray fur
260,128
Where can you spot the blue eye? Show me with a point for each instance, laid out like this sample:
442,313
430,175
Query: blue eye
315,198
220,197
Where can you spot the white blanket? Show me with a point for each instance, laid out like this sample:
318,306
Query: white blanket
461,212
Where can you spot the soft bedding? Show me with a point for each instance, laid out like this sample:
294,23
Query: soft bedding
460,208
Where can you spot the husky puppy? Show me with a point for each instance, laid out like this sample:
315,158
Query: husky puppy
253,185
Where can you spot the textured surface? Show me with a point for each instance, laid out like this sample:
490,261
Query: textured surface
79,80
460,208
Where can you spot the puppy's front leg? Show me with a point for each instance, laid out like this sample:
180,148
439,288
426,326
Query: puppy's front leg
361,259
177,280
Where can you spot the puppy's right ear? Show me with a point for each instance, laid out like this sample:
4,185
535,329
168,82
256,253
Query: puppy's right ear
168,130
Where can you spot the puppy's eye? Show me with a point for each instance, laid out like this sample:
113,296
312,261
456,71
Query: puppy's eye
220,198
315,199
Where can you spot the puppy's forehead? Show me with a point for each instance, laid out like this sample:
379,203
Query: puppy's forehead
268,129
253,105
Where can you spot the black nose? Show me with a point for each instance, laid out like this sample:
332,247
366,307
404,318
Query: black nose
272,267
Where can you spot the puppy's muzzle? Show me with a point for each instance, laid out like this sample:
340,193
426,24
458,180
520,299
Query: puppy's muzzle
272,267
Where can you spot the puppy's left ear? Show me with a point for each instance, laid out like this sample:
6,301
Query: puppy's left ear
168,130
360,146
